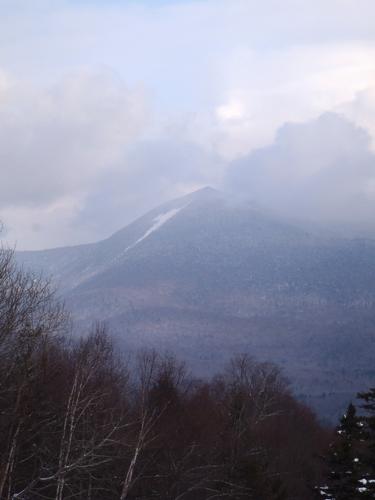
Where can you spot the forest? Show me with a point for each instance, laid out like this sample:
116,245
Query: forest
79,419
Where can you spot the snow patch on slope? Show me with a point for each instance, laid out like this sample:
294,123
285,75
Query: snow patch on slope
158,221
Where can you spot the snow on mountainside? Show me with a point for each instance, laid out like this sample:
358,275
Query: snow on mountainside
69,266
158,221
206,276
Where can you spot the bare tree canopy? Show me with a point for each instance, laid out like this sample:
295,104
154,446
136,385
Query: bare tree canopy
77,421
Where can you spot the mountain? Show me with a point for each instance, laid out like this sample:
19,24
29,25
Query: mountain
207,276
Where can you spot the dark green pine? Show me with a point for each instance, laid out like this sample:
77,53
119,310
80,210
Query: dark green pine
368,442
343,462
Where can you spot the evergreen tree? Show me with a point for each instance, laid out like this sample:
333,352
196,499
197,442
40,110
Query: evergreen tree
367,481
345,467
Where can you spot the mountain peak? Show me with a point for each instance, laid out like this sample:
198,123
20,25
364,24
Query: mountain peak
205,193
207,189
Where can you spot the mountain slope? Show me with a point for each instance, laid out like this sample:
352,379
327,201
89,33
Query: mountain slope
206,276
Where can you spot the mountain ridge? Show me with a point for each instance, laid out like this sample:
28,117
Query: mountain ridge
207,276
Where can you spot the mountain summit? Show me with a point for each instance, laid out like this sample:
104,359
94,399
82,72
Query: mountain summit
206,276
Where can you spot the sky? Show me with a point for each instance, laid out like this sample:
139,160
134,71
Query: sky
108,108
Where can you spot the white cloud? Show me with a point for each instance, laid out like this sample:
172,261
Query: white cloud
361,110
55,141
43,227
233,110
260,92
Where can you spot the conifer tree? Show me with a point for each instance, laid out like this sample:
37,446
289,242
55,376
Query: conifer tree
367,481
345,467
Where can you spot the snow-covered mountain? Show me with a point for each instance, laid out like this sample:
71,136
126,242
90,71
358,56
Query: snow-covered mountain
207,276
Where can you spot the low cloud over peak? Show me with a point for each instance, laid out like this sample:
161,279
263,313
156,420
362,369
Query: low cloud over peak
109,108
322,170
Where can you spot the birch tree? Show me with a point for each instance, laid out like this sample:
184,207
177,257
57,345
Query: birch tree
29,316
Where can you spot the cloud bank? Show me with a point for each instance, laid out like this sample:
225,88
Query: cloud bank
108,108
322,170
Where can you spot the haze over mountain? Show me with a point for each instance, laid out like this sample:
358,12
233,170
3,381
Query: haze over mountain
205,276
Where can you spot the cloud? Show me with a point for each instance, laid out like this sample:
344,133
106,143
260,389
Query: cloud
149,173
361,111
259,91
44,227
109,108
55,141
158,171
322,170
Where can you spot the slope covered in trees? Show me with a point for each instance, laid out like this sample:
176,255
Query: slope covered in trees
208,276
78,421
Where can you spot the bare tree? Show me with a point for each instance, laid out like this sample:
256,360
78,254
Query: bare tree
29,315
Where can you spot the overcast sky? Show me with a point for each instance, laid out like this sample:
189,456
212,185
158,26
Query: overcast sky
108,108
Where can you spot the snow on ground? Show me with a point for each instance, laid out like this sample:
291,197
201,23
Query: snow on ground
158,221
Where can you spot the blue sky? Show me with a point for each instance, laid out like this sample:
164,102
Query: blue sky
101,103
